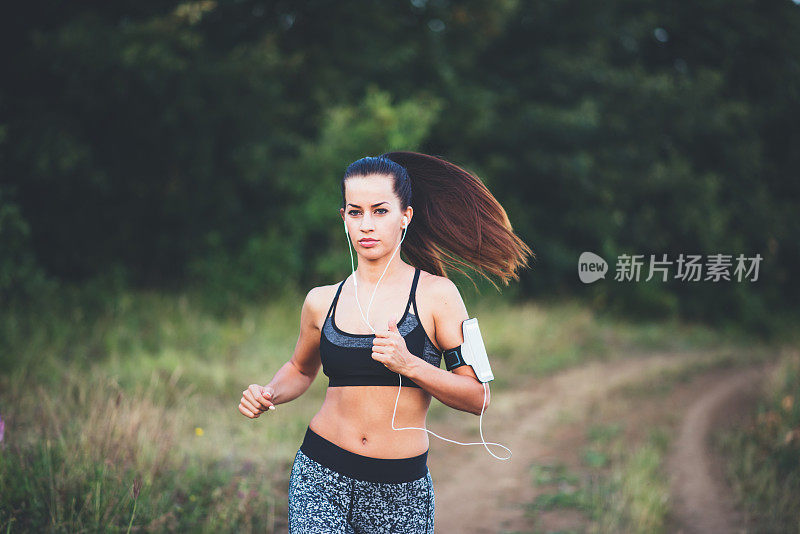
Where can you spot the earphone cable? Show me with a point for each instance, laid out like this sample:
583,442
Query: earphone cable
400,377
355,280
484,442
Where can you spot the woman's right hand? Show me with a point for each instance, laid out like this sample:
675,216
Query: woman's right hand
256,400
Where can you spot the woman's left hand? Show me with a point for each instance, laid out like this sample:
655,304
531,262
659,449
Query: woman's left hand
390,349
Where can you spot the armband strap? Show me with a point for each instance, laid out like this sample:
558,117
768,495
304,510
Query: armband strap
453,358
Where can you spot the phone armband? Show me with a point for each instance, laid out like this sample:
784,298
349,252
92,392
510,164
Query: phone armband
472,352
453,358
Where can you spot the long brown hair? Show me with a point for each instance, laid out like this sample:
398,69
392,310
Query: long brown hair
457,221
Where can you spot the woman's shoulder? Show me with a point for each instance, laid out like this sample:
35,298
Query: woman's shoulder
437,288
319,298
440,296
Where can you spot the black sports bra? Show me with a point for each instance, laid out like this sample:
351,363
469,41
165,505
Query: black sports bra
347,358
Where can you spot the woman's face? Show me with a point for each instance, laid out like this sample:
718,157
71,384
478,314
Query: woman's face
373,215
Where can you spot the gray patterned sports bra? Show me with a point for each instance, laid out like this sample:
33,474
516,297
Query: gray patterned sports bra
347,358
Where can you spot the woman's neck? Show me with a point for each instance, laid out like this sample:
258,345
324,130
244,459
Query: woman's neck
370,271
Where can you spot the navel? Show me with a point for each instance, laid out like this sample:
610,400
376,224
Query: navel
364,440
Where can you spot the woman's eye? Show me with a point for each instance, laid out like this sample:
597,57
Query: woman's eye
353,213
384,210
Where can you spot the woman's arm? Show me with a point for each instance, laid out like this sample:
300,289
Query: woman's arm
459,388
296,375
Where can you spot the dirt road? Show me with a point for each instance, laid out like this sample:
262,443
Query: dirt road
477,493
701,501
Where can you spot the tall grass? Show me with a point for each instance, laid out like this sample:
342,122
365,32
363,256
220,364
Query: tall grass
151,395
74,454
764,465
120,410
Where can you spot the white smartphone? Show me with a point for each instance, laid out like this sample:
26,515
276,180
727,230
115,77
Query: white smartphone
474,352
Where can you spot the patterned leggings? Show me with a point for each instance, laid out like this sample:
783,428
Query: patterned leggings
333,490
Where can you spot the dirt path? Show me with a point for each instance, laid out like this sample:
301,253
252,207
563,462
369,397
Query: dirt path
702,502
475,492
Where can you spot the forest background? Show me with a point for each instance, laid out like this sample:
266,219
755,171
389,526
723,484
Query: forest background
198,146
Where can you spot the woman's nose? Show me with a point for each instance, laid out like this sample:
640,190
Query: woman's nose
366,222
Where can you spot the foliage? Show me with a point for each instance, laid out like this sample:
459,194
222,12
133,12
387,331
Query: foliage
199,144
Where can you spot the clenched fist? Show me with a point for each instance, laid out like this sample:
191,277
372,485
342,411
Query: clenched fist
256,400
390,349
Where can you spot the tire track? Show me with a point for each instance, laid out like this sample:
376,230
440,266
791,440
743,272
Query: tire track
476,493
702,502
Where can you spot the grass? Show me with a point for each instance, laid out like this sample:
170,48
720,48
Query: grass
665,379
121,412
618,488
764,454
534,339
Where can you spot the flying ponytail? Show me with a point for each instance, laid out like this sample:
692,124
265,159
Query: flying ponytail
457,221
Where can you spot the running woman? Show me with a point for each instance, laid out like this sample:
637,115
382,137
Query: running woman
355,472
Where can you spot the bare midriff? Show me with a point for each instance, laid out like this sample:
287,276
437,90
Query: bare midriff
359,419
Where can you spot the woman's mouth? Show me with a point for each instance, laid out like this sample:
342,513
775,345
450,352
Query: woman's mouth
368,242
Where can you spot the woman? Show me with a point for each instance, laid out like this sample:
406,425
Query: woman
354,472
